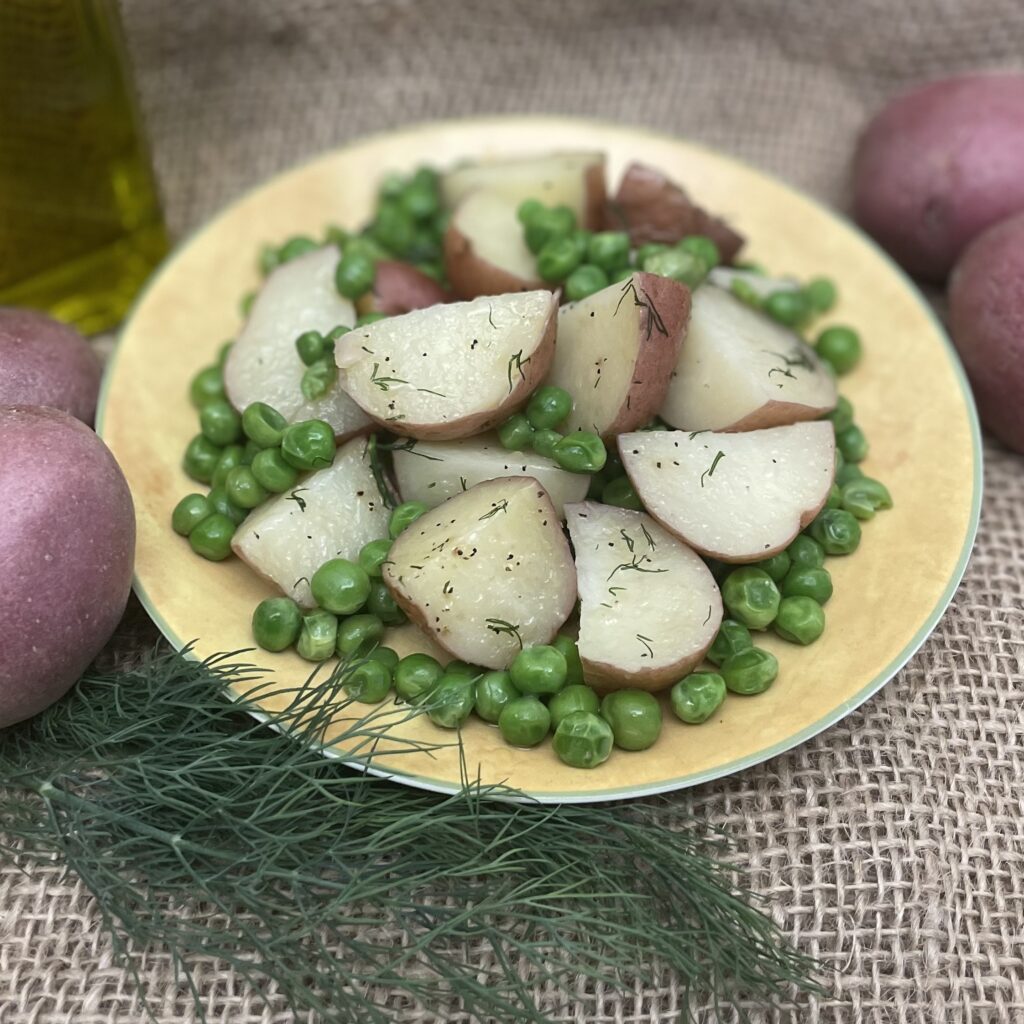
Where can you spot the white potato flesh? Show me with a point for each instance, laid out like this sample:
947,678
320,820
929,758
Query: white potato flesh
739,370
737,497
263,365
760,284
434,471
649,606
487,572
451,370
615,351
331,513
554,178
489,223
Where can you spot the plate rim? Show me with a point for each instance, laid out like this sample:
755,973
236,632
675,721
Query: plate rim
692,779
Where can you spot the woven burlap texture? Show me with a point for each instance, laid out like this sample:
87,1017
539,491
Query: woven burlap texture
890,846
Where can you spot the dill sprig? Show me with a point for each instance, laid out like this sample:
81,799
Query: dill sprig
204,832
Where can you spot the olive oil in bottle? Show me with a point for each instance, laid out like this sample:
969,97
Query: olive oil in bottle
80,222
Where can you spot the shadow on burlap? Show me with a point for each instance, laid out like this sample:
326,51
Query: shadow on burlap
890,846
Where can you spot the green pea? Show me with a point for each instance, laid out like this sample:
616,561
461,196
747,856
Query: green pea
415,676
386,656
696,697
583,740
581,239
745,292
223,352
547,407
836,531
391,186
355,274
245,303
581,452
853,444
842,415
308,444
201,459
848,471
547,224
272,472
212,537
621,493
570,700
358,635
336,332
222,504
189,513
751,671
369,682
433,269
649,249
787,307
207,386
219,422
369,318
450,702
777,566
420,199
243,489
318,379
571,653
382,603
703,248
515,433
365,246
677,265
805,553
296,246
731,638
340,586
373,556
840,347
404,515
462,670
622,274
269,259
528,210
807,581
751,596
865,496
317,636
276,623
233,455
635,718
524,722
835,497
311,346
249,452
544,442
821,294
393,227
585,280
608,250
558,259
801,620
540,669
493,692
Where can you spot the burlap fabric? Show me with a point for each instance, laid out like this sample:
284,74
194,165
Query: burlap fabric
891,845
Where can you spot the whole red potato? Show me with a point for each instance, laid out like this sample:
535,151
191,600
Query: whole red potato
940,164
986,319
45,362
67,545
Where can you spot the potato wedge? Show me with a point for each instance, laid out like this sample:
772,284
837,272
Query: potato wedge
398,288
654,209
486,573
331,514
434,471
615,351
575,180
453,370
740,370
737,497
649,606
263,365
484,250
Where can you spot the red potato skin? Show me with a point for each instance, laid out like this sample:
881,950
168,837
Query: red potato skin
45,362
67,547
400,288
471,275
986,320
940,164
654,209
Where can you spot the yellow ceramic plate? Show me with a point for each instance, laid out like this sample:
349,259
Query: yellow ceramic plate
909,393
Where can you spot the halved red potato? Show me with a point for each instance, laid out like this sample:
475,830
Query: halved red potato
649,606
487,573
740,370
452,370
400,287
615,351
654,209
736,497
